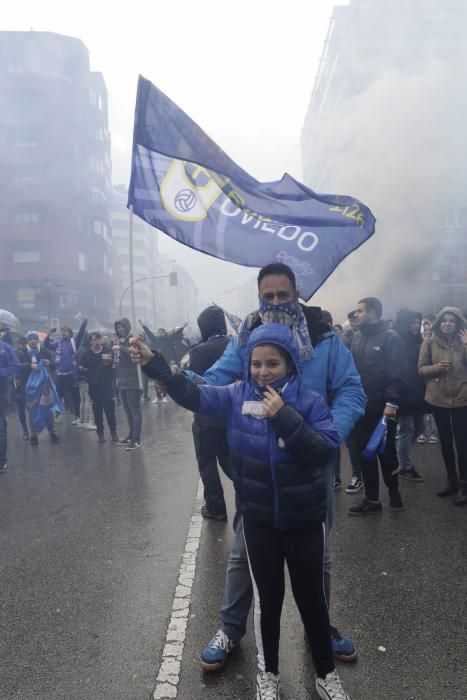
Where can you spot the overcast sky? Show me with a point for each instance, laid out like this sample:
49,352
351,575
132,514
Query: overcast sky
244,71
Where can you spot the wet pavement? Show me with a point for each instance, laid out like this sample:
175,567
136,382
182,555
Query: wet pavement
91,540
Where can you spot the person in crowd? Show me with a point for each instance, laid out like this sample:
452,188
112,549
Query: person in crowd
9,367
272,419
65,351
443,365
356,482
429,433
30,358
5,334
19,395
97,365
352,320
328,369
128,384
338,328
379,358
85,405
413,407
209,433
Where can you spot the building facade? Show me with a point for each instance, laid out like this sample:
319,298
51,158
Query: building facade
372,48
55,181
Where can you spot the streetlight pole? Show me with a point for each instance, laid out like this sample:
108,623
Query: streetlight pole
131,285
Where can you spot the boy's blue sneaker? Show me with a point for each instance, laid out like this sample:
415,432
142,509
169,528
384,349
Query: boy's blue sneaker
215,654
342,647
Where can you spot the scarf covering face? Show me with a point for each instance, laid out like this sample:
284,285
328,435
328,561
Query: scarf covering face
290,314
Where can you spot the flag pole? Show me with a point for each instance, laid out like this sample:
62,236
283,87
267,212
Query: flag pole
132,289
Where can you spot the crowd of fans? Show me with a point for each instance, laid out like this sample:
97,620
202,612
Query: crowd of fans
288,389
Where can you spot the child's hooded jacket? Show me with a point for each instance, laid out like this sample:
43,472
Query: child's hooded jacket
278,463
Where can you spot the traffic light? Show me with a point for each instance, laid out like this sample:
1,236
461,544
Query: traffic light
173,279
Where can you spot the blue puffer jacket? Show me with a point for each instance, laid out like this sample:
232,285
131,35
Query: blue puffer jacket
278,464
331,372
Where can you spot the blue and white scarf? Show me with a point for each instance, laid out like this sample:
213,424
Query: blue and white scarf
290,314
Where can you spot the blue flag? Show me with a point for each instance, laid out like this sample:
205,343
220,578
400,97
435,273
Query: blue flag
185,185
42,398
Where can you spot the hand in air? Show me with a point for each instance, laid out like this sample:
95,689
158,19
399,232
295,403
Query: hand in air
272,401
463,336
140,353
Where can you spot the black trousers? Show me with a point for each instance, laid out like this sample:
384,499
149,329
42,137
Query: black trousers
103,402
388,461
21,412
68,391
211,447
268,549
452,430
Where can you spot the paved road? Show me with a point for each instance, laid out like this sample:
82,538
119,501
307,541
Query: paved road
91,540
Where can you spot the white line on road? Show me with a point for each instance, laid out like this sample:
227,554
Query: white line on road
169,671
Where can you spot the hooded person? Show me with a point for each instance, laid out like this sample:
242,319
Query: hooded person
29,356
412,405
443,365
65,351
127,382
281,437
209,433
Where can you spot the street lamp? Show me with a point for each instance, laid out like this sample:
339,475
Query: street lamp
173,281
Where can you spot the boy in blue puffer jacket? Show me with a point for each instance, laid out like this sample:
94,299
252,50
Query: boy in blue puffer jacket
281,437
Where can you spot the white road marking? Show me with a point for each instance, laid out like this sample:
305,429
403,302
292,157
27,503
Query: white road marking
168,676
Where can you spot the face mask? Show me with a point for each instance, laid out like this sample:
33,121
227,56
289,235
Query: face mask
286,308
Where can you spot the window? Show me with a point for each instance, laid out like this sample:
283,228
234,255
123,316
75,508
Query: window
107,266
98,227
26,256
97,196
82,262
25,297
96,165
27,180
27,217
95,99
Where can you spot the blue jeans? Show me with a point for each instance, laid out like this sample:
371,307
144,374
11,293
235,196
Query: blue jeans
238,594
410,428
131,402
3,436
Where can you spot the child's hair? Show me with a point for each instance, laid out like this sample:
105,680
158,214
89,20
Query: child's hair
289,363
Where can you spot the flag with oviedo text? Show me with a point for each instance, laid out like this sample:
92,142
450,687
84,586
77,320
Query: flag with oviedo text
183,184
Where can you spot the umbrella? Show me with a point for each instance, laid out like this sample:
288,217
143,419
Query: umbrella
8,319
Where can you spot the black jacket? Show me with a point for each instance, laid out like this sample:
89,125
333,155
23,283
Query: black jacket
213,329
379,357
99,374
413,400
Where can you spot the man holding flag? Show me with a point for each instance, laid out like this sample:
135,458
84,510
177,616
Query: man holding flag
183,184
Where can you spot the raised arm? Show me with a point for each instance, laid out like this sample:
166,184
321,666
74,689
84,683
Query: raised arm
81,332
227,369
208,400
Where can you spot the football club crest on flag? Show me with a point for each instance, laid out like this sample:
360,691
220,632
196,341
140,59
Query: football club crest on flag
183,184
